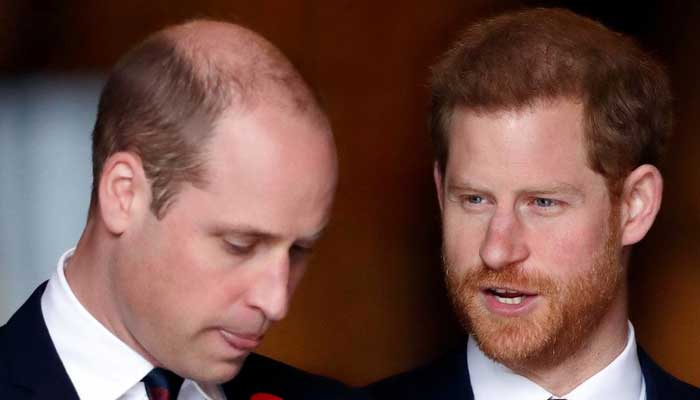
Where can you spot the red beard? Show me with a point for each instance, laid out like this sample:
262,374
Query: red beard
568,312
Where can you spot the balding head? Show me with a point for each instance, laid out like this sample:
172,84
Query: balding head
164,97
239,57
215,171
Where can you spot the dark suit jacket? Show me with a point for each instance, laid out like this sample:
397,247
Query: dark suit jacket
31,369
448,379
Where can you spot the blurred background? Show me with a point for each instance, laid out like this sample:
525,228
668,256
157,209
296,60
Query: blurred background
372,303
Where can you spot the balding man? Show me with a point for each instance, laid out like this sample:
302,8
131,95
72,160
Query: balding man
214,170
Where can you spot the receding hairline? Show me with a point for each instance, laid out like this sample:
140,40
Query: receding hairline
163,98
255,68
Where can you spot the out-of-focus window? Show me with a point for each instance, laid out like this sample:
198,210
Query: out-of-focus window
45,177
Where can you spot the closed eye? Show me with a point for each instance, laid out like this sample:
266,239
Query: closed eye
239,248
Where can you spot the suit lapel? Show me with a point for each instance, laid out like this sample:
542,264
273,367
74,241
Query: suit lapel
468,392
653,375
446,379
462,386
34,364
660,384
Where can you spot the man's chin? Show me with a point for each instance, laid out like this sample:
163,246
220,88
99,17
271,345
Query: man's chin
218,372
511,341
509,351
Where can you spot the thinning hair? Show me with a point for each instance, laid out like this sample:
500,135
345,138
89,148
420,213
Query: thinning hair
164,97
517,59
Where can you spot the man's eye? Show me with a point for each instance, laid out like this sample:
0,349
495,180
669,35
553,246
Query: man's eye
474,199
239,248
544,203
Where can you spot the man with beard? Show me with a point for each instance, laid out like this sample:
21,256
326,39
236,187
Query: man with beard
548,129
214,170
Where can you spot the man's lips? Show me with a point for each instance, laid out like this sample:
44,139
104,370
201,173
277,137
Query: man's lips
505,292
241,341
508,301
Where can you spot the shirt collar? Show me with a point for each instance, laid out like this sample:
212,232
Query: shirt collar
621,379
109,368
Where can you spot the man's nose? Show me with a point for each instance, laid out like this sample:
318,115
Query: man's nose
504,243
270,291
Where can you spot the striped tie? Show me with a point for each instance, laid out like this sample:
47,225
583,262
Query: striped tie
162,384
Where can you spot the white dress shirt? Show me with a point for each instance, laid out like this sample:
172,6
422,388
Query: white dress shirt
622,379
100,366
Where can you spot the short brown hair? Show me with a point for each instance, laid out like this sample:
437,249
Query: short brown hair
516,59
163,98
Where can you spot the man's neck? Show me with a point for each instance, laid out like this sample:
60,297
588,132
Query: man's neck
88,278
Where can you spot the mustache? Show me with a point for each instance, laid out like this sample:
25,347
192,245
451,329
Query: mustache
511,276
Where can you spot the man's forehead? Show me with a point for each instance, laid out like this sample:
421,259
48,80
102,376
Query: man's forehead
552,126
270,126
539,147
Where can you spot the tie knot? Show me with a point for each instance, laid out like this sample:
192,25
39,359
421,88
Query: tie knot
162,384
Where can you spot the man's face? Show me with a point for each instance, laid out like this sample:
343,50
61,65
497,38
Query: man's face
531,241
198,289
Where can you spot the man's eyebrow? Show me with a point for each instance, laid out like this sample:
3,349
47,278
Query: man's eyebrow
255,232
243,230
465,186
546,189
556,188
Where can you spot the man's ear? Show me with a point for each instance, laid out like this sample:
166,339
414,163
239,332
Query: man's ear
640,202
439,184
124,191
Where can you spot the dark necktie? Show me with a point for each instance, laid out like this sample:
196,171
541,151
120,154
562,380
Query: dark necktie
162,384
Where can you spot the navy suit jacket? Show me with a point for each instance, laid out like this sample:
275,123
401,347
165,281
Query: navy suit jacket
30,367
448,379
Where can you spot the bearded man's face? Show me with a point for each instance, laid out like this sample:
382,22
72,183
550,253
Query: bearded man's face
531,241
